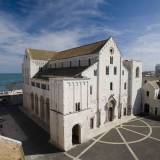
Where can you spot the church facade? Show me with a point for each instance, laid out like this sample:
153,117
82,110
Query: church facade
74,93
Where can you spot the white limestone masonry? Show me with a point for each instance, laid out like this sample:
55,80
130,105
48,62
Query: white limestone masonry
78,108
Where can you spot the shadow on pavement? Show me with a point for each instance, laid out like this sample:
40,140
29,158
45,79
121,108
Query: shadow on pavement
151,117
37,139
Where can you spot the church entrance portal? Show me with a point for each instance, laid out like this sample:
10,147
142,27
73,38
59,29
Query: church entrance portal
111,110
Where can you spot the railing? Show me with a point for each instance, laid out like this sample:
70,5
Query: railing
13,92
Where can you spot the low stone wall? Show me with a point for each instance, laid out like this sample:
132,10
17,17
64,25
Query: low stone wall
10,149
14,97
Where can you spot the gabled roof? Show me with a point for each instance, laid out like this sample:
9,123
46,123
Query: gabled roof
74,52
40,54
80,51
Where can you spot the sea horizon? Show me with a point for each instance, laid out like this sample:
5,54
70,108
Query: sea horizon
9,81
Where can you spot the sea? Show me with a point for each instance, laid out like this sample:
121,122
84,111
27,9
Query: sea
9,80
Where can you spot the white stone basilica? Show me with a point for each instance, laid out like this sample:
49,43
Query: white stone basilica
74,93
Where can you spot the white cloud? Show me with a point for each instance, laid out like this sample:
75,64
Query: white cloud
15,35
145,48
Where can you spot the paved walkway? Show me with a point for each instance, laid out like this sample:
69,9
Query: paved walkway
138,139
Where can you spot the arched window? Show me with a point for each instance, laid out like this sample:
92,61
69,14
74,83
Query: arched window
115,70
123,72
77,106
111,50
111,86
89,61
90,90
137,72
91,123
147,93
111,60
79,63
125,85
107,70
95,72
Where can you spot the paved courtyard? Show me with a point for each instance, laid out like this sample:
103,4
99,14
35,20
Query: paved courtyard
138,139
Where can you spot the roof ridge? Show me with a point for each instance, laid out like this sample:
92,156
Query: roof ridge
84,45
42,50
82,50
70,48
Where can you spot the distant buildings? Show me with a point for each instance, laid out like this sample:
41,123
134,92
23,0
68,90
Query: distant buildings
157,70
151,98
148,73
151,92
74,93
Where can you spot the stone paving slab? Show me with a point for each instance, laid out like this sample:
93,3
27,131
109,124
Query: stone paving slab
136,122
152,122
78,149
112,136
12,129
130,136
37,147
156,133
107,152
147,150
97,136
143,130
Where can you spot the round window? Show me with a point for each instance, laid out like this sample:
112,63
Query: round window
111,50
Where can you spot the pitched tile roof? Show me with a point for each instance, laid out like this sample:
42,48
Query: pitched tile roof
40,54
74,52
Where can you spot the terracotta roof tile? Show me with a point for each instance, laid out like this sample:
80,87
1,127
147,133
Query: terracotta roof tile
74,52
41,54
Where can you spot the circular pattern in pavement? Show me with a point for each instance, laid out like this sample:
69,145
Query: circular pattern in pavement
131,132
145,136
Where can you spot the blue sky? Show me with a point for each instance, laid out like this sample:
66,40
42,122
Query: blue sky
62,24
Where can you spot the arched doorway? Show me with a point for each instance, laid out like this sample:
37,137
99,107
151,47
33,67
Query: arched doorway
146,108
124,111
111,110
76,130
137,72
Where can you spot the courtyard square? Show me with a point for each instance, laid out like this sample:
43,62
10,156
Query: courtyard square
138,139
